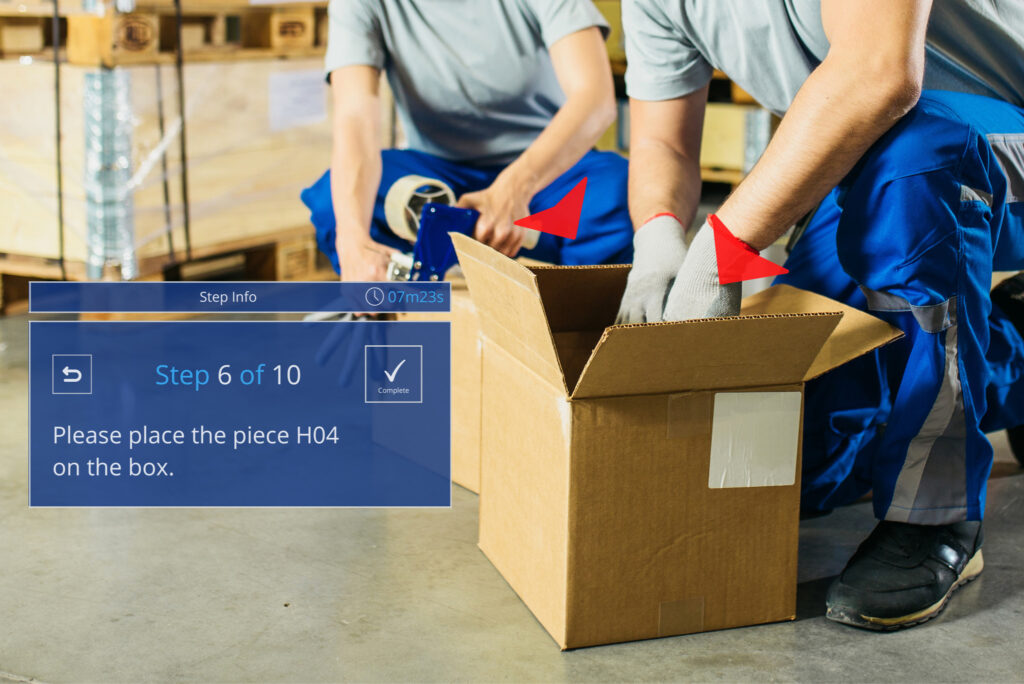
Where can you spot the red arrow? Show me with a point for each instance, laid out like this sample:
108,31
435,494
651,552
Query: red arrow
563,219
738,261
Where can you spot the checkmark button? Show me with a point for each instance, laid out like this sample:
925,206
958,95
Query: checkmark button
393,374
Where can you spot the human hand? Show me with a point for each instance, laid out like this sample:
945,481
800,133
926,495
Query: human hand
696,291
363,260
659,249
499,205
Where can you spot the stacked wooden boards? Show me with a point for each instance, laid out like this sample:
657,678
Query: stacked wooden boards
256,117
210,31
258,132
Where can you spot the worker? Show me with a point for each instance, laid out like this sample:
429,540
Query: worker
500,101
904,121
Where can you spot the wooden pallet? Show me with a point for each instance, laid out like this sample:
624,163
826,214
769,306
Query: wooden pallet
291,255
245,172
211,31
26,28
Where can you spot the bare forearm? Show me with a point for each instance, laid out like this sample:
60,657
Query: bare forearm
837,115
664,157
355,175
571,133
581,65
662,180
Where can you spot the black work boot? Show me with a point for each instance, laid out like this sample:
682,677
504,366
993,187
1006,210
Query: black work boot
903,575
1009,296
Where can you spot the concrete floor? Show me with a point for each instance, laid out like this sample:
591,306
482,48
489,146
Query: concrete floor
404,595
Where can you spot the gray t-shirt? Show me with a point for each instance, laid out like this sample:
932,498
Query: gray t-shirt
473,80
769,47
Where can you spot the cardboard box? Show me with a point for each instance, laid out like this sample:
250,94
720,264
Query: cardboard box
641,481
466,358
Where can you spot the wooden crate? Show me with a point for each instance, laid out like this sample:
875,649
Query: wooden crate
288,255
113,38
247,161
211,31
21,35
26,26
279,28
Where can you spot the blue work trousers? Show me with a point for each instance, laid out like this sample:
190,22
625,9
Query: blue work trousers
605,232
913,235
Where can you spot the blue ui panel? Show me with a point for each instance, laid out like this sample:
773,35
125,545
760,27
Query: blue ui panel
342,413
240,297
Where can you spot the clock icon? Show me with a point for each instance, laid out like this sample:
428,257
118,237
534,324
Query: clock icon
375,296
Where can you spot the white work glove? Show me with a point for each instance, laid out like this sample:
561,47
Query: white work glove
696,292
659,249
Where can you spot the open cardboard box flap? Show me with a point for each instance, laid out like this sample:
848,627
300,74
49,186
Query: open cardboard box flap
857,333
557,320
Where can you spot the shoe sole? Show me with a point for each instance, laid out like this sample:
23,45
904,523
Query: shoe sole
969,573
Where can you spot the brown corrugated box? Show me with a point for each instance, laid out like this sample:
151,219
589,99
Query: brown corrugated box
466,354
641,481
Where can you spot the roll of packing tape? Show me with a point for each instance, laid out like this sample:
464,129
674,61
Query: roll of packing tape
530,238
404,203
405,200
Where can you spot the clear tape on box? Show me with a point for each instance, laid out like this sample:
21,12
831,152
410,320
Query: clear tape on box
251,149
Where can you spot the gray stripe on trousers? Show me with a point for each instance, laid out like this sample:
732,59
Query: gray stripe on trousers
931,488
969,194
932,318
1009,149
